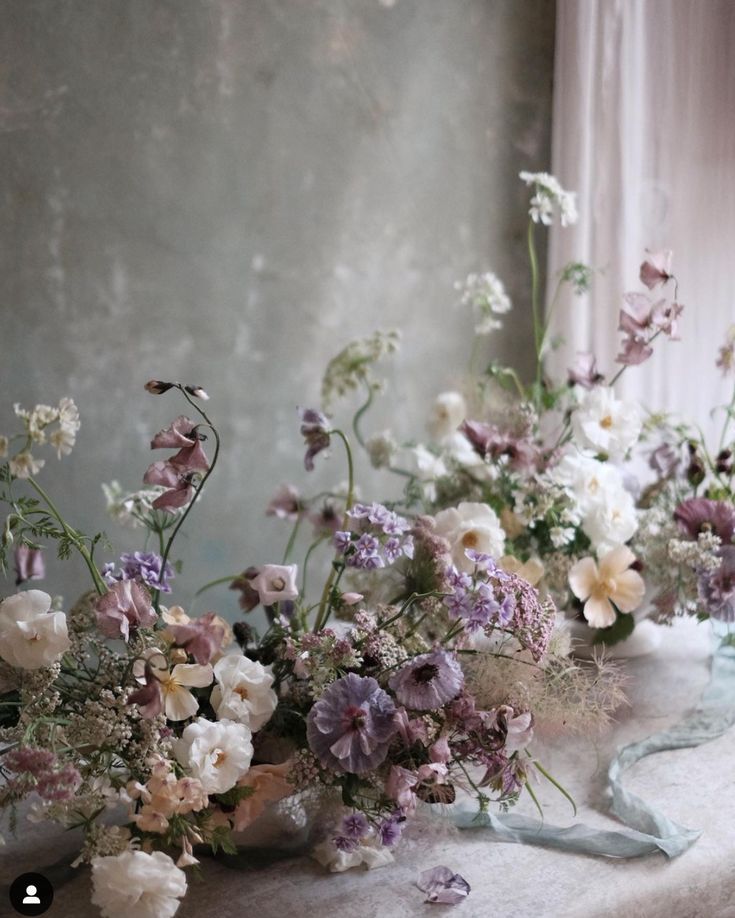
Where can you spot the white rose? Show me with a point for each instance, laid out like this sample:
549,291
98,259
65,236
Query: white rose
447,413
31,636
611,521
604,423
217,753
243,692
137,885
470,525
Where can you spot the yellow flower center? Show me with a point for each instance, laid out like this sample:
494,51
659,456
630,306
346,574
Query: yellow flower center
606,422
242,691
218,757
470,540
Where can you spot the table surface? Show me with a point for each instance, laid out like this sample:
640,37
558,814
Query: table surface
693,786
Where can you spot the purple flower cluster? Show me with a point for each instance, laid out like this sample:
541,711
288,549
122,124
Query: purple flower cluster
145,567
39,770
380,537
493,598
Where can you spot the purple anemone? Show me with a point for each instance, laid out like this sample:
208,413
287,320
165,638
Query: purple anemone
428,681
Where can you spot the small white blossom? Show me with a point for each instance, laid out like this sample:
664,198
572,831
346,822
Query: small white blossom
561,536
447,413
486,295
548,195
23,465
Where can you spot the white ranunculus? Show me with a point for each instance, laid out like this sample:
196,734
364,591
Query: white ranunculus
611,521
605,423
470,525
244,691
447,413
31,636
217,753
137,885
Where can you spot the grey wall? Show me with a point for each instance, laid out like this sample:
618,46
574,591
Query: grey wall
226,192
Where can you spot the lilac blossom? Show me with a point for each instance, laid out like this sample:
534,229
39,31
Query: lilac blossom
350,727
380,538
428,681
315,430
142,566
442,886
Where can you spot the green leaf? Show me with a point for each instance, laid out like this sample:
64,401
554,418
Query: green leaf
233,796
619,631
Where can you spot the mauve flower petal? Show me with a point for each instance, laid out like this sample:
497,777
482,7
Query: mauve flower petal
442,886
176,435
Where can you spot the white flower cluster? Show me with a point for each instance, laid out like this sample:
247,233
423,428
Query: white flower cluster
606,509
549,195
486,295
37,425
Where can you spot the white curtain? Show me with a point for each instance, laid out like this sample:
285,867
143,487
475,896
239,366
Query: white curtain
644,130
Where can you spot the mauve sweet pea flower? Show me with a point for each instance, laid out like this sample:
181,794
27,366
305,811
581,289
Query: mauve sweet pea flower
315,430
634,352
442,886
664,460
249,597
158,386
149,697
285,503
584,371
656,269
202,638
180,432
180,485
698,514
126,606
351,726
28,564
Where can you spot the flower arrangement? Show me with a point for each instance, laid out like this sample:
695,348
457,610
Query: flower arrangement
157,733
539,474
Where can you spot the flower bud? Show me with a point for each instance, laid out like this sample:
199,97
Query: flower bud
157,387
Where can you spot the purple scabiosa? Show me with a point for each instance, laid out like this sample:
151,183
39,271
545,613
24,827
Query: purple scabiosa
429,681
699,514
717,588
315,430
351,726
142,566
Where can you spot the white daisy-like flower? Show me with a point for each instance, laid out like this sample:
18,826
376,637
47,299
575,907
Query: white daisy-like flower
470,525
218,753
244,691
549,195
447,413
31,636
135,884
604,423
485,293
23,465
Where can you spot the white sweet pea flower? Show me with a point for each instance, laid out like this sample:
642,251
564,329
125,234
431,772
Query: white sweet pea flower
604,423
244,691
470,525
217,753
137,885
447,413
31,636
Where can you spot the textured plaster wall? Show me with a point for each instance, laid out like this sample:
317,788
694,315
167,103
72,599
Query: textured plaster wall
226,192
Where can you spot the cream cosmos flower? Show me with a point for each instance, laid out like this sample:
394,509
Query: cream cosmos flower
612,581
31,636
604,423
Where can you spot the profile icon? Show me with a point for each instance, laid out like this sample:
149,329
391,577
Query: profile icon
31,894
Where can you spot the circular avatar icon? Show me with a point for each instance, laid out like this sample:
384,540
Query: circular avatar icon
31,894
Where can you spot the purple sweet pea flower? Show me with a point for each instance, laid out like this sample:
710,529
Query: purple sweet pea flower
428,681
351,726
442,886
315,430
28,564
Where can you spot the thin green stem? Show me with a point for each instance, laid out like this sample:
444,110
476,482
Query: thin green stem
292,538
359,415
214,583
535,309
562,790
73,537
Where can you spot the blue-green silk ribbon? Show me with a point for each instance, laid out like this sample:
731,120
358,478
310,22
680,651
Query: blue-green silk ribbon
648,831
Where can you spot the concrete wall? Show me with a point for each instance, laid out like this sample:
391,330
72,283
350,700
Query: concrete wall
226,192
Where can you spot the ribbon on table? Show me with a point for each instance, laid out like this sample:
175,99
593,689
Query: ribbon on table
648,831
